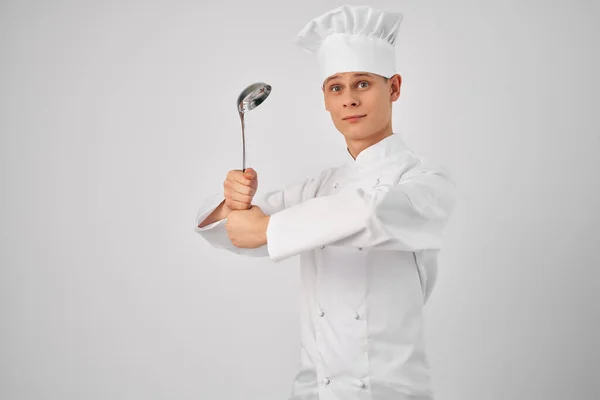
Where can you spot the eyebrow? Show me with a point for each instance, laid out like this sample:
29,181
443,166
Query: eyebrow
337,76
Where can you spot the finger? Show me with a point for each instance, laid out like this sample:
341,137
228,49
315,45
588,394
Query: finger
248,191
254,184
231,174
235,185
237,205
235,177
239,196
239,178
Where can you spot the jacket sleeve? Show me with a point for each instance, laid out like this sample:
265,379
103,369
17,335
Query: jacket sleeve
270,203
408,215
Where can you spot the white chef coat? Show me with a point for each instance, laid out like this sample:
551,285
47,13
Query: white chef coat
368,234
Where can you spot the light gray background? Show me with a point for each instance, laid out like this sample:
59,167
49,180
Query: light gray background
117,118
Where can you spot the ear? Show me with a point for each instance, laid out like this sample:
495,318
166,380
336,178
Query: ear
395,83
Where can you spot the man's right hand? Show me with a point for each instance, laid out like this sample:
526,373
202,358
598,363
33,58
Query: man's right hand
240,188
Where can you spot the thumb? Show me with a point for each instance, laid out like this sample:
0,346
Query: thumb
250,173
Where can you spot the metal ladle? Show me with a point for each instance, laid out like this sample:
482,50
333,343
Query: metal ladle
248,100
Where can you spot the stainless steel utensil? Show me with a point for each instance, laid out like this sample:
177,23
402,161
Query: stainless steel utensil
248,100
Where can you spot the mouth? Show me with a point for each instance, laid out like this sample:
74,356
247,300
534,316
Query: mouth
352,118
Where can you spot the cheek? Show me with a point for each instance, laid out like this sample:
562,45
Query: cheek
382,104
370,104
333,106
378,109
372,99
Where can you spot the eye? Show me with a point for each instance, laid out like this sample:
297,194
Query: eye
365,82
333,87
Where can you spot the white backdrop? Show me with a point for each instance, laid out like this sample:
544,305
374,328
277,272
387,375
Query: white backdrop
118,117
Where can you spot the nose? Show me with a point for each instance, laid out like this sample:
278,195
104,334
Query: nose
351,100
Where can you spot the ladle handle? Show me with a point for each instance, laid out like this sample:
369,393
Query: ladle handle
243,144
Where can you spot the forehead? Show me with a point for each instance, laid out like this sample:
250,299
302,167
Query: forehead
348,75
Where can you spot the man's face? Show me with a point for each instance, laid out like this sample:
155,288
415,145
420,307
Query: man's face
364,94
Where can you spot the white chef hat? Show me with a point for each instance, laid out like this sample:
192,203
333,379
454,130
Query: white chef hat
353,38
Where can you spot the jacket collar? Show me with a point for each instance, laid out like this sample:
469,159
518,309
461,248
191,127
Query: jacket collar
377,152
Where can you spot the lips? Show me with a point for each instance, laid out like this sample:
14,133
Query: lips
354,116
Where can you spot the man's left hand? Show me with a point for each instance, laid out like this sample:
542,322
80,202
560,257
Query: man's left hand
247,228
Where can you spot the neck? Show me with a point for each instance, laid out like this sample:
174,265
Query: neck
355,146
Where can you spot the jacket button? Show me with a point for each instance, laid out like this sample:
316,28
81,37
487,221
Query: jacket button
356,316
322,313
322,247
360,249
377,181
361,384
335,185
326,381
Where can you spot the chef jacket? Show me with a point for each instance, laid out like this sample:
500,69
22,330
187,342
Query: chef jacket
368,234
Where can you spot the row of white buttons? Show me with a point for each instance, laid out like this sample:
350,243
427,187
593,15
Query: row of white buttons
327,381
322,314
360,383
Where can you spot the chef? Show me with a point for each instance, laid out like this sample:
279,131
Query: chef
368,232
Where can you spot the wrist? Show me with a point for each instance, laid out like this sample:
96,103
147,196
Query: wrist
225,211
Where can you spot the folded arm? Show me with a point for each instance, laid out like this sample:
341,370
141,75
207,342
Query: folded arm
270,203
408,215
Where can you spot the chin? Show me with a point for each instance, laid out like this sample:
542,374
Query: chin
355,132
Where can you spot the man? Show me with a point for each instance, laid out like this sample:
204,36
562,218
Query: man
368,232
